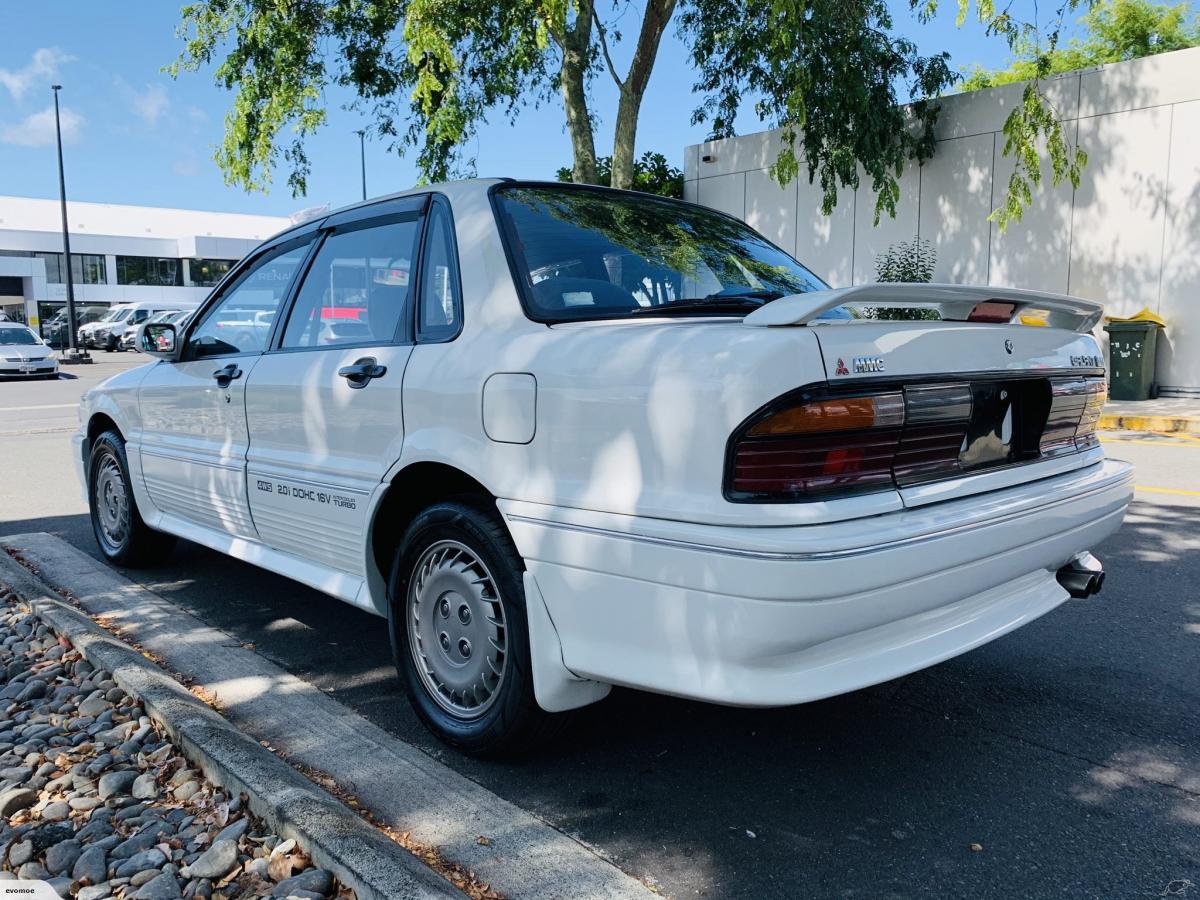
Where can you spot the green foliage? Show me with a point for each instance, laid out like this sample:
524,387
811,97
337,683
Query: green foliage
1114,30
826,73
652,174
428,73
906,262
425,71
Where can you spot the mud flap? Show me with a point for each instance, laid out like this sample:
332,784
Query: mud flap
555,687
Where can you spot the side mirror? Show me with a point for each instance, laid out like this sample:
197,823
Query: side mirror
158,339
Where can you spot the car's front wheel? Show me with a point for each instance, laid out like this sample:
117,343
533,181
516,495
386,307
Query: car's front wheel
459,631
124,539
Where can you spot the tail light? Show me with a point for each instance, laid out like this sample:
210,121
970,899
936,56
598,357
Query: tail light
840,445
1075,406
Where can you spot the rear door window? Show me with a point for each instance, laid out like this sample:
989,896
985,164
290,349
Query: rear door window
357,289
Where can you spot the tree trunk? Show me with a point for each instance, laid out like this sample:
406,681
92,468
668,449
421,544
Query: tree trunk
654,22
574,43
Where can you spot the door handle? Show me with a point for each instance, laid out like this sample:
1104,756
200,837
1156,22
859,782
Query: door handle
227,374
360,374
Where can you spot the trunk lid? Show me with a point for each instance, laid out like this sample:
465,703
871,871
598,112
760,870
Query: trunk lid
1026,364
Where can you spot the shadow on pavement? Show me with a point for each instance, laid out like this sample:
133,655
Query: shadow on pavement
1067,750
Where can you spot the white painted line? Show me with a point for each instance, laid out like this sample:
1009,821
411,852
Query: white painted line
4,409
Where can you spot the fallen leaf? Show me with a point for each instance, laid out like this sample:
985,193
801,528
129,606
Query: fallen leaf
483,841
279,867
976,848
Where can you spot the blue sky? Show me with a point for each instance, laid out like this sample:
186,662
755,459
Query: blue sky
136,136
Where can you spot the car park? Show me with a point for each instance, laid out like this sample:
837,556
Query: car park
107,331
25,355
54,329
587,438
169,315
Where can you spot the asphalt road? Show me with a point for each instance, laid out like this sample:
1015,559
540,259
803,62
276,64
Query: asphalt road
1068,751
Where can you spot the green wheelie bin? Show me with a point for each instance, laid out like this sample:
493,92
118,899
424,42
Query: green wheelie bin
1131,346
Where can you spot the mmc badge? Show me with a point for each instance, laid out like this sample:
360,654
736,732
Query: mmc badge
867,364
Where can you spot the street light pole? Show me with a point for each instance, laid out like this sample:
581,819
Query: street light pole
73,355
362,154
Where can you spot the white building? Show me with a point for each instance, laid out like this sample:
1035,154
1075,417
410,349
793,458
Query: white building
118,253
1129,236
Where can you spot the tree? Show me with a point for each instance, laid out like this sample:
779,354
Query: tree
429,72
1114,31
652,174
906,262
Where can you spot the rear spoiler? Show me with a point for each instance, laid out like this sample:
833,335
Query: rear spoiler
953,302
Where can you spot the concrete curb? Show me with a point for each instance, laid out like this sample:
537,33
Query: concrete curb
334,836
1166,424
406,789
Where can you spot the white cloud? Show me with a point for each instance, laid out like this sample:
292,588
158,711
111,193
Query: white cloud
149,104
37,130
185,168
42,67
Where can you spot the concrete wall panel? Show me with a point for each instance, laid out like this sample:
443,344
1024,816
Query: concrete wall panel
871,239
825,243
724,192
1179,304
1151,81
1117,230
771,209
956,198
1035,252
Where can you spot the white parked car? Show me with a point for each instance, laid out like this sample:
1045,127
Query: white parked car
109,329
597,438
167,315
24,354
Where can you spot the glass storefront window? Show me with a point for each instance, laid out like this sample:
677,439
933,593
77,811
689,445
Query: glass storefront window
86,268
207,272
149,270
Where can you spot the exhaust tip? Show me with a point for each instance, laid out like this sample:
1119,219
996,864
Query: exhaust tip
1082,577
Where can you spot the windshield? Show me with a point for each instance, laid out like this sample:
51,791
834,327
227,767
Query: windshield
12,336
595,254
117,314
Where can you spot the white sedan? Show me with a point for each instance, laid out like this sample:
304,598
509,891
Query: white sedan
23,354
581,438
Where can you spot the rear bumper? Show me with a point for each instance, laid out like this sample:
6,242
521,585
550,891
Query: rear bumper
772,616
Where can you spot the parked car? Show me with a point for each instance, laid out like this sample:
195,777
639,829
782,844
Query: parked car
108,330
601,438
54,329
168,315
24,354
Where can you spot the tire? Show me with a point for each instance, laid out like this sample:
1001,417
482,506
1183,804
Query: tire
110,345
449,548
124,539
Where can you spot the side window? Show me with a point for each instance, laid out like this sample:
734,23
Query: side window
357,289
441,305
241,319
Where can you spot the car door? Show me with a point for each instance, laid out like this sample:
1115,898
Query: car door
194,436
323,406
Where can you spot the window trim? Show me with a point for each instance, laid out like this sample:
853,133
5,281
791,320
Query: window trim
370,218
519,278
438,201
290,241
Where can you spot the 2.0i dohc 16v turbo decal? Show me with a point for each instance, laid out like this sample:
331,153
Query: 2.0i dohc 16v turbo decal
301,492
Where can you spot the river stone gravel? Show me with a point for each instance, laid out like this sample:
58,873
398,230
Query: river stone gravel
96,800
